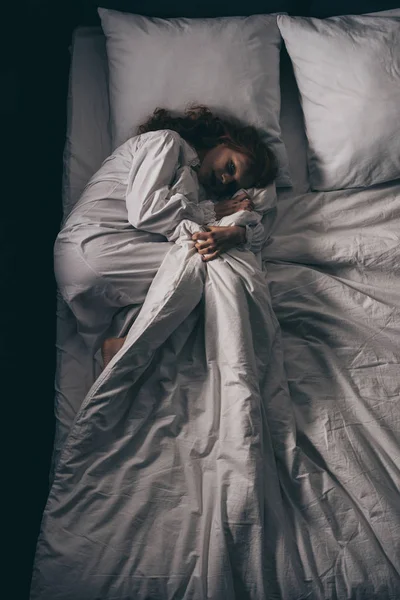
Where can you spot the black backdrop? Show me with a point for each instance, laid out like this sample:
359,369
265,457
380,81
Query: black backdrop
36,35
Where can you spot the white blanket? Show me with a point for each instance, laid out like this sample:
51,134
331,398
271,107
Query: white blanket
168,481
191,472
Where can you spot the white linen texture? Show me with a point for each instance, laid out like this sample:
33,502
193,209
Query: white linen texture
244,441
348,73
147,187
332,271
219,457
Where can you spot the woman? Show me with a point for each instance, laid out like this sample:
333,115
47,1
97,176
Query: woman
114,240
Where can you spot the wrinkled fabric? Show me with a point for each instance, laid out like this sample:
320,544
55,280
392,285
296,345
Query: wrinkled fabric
115,238
151,186
228,453
332,268
167,483
105,263
347,70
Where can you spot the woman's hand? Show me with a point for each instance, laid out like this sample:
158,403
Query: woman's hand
216,240
229,206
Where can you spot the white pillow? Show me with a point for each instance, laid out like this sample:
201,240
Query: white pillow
348,74
230,64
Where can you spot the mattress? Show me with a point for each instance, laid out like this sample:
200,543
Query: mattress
87,145
333,269
88,140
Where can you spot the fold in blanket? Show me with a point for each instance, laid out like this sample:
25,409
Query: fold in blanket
181,477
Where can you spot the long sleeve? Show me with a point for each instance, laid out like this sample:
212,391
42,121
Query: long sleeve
255,232
162,191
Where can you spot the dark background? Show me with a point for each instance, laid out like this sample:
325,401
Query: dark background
36,35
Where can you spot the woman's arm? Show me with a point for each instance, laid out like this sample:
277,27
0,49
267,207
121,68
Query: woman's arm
237,225
229,206
218,239
161,192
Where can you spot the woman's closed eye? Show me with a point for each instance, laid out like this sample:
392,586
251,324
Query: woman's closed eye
231,167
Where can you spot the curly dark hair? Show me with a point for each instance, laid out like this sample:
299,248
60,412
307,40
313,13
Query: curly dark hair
202,129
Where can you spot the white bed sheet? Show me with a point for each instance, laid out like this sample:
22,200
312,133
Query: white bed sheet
333,268
88,143
88,140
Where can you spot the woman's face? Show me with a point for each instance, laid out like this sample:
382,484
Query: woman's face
223,171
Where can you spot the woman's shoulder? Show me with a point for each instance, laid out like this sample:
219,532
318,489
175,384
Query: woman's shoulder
167,137
160,135
158,139
136,142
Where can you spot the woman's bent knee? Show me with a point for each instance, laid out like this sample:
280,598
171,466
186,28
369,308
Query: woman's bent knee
74,275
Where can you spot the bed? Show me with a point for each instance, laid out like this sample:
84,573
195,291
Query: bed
332,267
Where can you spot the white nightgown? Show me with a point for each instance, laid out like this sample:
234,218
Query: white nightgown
113,242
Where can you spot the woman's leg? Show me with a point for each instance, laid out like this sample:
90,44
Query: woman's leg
110,347
105,278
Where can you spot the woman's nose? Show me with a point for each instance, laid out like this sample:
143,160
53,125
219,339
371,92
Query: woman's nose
226,178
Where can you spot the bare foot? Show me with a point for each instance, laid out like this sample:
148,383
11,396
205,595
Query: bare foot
110,348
